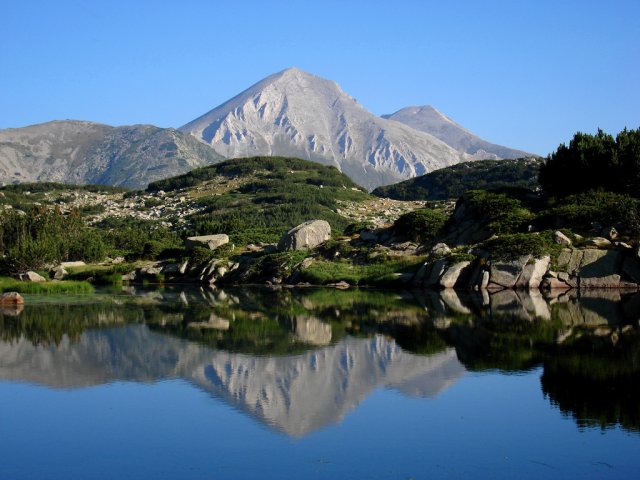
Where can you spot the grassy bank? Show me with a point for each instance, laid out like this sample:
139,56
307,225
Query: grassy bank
46,288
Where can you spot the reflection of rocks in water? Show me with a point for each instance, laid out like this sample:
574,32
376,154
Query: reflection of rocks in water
595,307
12,310
311,330
295,394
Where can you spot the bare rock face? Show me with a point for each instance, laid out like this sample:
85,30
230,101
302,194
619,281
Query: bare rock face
306,235
295,114
560,238
80,152
207,241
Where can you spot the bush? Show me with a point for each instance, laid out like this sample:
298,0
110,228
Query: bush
421,226
519,244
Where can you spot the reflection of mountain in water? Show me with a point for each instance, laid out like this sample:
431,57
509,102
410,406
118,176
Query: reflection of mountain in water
295,394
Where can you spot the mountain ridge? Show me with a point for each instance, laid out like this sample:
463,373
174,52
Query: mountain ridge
294,113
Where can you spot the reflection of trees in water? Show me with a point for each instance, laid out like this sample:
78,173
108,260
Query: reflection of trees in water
596,381
585,342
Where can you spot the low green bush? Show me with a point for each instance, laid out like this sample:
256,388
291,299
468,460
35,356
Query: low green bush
423,225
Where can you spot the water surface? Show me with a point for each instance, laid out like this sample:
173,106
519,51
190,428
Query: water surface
320,384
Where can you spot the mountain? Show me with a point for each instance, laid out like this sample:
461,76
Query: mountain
428,119
85,152
452,182
296,114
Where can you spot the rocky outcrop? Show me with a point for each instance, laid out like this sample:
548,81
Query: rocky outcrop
575,268
206,241
306,235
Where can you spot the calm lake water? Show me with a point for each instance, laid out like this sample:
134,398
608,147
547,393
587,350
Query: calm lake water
254,383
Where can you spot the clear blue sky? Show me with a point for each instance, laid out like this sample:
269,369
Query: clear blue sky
526,74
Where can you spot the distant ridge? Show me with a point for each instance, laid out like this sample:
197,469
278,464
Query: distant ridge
427,119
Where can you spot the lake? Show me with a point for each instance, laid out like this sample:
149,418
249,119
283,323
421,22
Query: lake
320,383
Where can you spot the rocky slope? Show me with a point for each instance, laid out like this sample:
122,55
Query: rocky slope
428,119
86,152
293,113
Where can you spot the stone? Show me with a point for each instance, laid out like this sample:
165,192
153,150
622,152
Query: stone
305,236
58,272
183,267
453,274
507,273
171,268
440,250
32,277
631,268
311,330
117,260
11,299
560,238
436,269
598,242
73,264
533,272
206,241
610,233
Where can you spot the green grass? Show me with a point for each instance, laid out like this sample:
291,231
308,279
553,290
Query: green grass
321,273
45,288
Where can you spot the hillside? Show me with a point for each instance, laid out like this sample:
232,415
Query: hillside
452,182
79,152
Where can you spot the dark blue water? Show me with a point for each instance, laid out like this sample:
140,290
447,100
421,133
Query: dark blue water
131,391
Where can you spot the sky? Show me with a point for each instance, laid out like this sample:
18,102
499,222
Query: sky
525,74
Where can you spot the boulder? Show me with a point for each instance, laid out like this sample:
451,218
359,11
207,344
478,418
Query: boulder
58,272
434,272
206,241
600,268
440,250
598,242
560,238
32,277
306,235
11,298
533,272
453,274
507,273
73,264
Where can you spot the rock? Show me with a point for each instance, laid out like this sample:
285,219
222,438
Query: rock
306,235
600,268
598,242
32,277
206,241
435,271
183,267
631,268
453,274
532,273
312,330
560,238
610,233
58,272
73,264
507,273
117,260
151,271
171,268
129,277
11,299
440,250
306,263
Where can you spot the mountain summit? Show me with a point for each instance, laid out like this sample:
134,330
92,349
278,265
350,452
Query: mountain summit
428,119
294,113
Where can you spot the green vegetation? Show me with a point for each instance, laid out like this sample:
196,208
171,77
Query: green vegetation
452,182
30,240
593,162
48,288
275,194
323,272
423,226
510,246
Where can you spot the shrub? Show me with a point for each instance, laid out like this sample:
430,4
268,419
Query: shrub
421,226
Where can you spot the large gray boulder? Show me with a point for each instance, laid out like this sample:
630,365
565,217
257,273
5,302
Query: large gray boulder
306,235
32,277
206,241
